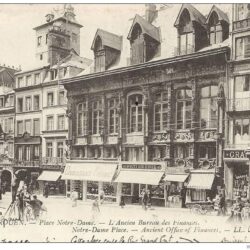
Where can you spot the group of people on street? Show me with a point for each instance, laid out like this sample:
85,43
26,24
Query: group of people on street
240,210
24,199
219,204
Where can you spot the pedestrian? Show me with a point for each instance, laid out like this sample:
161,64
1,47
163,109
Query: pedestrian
236,211
74,197
95,209
221,205
101,195
46,190
0,192
36,206
4,187
122,201
144,199
216,201
149,193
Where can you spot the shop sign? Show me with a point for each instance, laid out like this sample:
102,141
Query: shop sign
235,154
52,167
142,166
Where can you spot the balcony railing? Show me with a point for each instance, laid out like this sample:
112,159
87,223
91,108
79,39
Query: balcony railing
53,160
241,24
239,104
184,50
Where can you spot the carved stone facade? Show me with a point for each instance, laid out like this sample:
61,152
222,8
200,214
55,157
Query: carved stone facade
137,137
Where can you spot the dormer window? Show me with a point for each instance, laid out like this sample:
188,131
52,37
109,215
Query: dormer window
192,34
218,26
186,43
137,46
144,41
107,49
99,56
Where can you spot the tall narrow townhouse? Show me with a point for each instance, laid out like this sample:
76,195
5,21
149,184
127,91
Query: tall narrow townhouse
236,158
41,120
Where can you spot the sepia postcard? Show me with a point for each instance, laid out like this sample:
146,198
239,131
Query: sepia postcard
125,123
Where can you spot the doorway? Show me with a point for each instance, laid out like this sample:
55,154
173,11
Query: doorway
6,181
136,197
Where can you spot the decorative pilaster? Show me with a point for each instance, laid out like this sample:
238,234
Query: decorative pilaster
220,130
195,104
146,98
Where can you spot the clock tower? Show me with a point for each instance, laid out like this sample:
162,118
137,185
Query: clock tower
58,35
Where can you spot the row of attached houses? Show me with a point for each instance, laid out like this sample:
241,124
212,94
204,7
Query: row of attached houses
163,106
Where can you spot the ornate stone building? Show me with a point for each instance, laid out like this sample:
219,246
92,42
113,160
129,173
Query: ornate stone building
149,113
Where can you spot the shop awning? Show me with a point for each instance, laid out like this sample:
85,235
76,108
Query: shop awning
201,181
176,177
140,177
49,176
90,171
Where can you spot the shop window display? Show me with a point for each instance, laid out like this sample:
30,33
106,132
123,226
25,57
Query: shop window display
127,189
92,187
241,183
157,191
109,189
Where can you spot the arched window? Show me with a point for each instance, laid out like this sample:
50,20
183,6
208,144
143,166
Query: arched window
82,118
137,45
215,29
208,107
161,111
183,108
135,113
186,44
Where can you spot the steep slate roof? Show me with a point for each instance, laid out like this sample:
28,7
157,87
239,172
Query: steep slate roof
108,39
73,60
221,15
195,15
147,28
164,23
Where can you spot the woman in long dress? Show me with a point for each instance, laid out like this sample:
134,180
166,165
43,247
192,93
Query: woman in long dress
95,209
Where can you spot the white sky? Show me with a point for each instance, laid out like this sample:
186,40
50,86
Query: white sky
17,21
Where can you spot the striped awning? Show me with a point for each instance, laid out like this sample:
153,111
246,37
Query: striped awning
49,176
90,171
201,181
140,177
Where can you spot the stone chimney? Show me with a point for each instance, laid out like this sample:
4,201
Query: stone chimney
150,12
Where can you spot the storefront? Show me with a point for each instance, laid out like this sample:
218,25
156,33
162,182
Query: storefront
175,188
52,179
201,185
133,177
90,178
237,174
